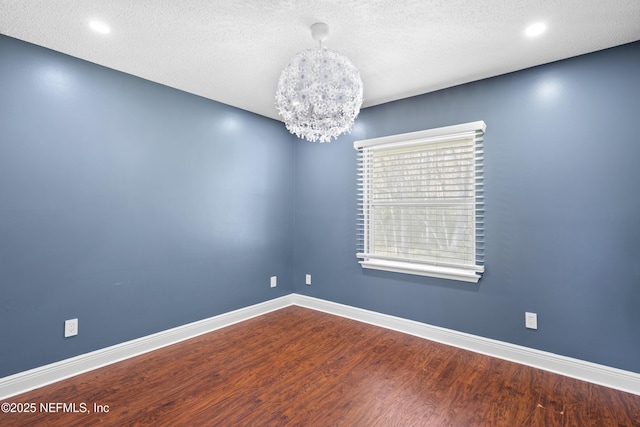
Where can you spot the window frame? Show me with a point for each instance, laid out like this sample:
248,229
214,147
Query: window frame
459,270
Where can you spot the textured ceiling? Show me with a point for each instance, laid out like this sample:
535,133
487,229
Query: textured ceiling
233,51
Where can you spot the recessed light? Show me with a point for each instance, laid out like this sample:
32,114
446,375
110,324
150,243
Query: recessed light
99,27
536,29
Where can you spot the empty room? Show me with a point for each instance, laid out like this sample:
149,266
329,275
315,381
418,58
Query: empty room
319,213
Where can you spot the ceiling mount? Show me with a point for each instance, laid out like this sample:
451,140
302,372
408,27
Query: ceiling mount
320,32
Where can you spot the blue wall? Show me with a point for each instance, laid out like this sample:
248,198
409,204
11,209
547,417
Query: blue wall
562,210
129,205
137,208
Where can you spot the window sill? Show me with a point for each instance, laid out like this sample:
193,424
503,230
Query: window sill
423,270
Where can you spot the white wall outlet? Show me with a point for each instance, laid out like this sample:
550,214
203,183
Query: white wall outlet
531,320
307,279
70,328
274,281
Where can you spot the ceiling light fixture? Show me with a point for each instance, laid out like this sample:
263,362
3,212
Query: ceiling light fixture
536,29
99,27
319,92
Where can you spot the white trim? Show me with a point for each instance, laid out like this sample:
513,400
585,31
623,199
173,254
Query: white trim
461,274
395,141
44,375
423,134
586,371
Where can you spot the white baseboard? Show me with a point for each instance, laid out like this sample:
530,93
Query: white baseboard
34,378
603,375
586,371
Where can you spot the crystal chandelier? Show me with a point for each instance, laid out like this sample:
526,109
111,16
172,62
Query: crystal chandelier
320,92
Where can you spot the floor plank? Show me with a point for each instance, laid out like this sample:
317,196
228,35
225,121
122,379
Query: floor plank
300,367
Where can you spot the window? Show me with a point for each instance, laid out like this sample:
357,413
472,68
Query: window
421,202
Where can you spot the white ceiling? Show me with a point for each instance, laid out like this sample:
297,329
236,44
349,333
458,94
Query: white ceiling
234,51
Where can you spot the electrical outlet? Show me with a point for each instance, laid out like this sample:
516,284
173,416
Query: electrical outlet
70,328
307,279
274,281
531,320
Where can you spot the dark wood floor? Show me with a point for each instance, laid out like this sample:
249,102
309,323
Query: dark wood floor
301,367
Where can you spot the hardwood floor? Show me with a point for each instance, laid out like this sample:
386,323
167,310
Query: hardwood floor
301,367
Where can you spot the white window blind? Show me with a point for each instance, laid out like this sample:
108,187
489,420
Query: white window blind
420,201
